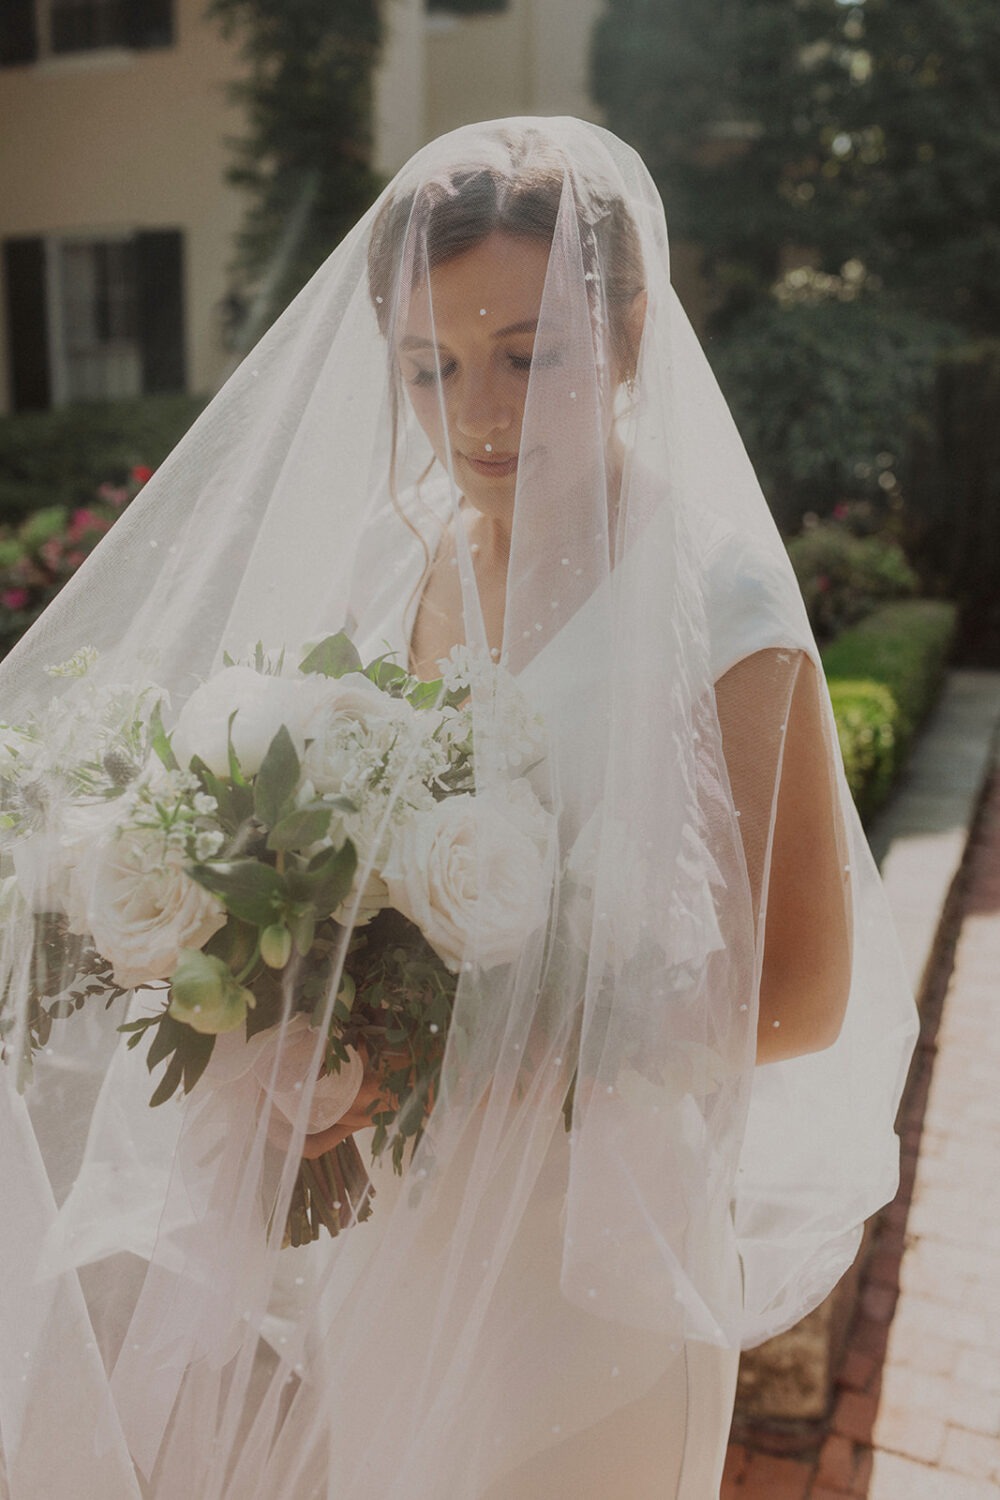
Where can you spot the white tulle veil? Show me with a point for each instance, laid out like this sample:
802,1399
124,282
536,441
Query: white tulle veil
519,1280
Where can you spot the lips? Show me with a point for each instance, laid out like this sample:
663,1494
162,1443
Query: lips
498,467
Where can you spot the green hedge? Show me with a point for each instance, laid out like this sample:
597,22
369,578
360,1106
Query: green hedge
61,457
884,674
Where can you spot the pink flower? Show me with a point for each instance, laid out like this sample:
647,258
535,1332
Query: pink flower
51,552
112,494
841,511
141,473
823,583
14,598
82,521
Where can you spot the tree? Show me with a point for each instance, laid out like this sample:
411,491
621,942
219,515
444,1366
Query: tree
866,131
837,164
306,158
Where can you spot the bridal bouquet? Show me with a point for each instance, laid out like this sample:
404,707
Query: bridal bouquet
296,825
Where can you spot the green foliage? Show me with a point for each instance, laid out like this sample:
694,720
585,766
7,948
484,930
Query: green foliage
837,164
305,160
866,717
843,577
869,130
38,556
63,457
884,674
820,391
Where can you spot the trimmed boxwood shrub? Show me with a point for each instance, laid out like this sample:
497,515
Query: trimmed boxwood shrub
884,675
866,716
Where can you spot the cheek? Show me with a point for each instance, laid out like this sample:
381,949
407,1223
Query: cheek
426,404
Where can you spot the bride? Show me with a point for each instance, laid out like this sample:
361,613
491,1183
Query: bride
483,435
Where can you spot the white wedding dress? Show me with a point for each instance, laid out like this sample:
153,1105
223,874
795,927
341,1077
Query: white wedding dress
526,1315
671,1443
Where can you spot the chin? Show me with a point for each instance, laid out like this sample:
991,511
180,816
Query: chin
493,506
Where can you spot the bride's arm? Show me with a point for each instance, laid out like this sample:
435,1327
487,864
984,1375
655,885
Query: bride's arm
781,766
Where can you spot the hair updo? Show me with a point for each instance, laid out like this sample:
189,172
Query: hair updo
520,195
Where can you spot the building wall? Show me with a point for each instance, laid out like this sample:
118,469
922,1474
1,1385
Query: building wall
530,59
122,141
126,140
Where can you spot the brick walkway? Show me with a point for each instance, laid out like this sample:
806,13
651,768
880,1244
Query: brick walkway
917,1406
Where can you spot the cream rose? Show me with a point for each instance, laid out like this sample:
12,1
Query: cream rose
261,704
142,907
472,873
371,718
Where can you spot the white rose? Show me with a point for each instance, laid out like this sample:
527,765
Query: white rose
282,1064
261,704
352,712
142,907
472,873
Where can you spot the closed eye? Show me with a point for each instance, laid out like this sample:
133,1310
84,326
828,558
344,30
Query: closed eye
539,359
430,377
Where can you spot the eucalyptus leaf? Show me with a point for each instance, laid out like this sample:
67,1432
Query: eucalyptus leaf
333,657
236,775
171,1081
303,930
327,881
235,803
160,740
299,829
386,673
248,889
169,1035
196,1059
276,780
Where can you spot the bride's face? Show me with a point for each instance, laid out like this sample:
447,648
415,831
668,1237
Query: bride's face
466,356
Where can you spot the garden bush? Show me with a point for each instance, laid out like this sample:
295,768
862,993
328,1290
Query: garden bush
884,675
843,577
43,551
62,457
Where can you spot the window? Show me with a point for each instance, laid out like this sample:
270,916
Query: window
83,25
94,318
33,29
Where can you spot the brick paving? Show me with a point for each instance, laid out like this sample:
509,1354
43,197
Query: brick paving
916,1410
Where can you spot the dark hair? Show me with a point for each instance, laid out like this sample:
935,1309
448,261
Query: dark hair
454,214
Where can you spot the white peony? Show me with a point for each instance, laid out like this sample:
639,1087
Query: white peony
472,873
142,907
261,705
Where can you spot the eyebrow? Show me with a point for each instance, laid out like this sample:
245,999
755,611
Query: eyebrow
529,325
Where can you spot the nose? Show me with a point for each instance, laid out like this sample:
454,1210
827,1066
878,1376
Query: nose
481,410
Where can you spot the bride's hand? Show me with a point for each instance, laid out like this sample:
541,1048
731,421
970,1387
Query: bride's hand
368,1101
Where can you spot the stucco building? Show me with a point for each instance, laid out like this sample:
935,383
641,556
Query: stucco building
116,219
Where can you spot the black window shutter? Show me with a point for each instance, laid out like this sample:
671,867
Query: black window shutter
468,7
149,23
159,262
18,37
27,324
